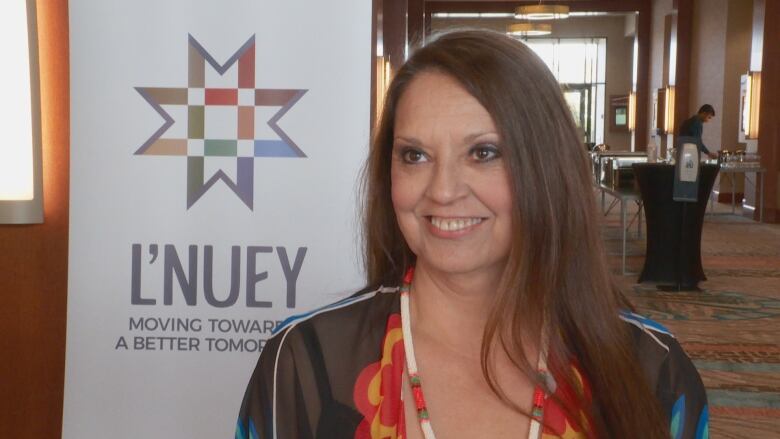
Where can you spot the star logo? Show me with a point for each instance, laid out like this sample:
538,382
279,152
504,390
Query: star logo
233,112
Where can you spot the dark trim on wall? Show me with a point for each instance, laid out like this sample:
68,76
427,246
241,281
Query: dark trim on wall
394,32
416,28
769,123
509,6
428,24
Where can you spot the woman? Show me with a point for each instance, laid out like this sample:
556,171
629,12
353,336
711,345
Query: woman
491,313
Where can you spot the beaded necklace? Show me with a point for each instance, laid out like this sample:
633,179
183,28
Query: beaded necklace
535,430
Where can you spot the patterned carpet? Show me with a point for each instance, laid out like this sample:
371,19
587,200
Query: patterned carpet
731,328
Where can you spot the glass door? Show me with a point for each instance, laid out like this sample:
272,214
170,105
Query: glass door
578,98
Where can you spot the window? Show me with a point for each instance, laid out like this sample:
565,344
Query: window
579,65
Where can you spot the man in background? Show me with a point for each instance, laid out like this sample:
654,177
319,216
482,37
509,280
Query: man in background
694,127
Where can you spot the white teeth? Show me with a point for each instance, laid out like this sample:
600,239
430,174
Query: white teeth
454,224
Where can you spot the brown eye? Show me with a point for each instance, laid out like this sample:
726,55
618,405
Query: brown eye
485,152
413,156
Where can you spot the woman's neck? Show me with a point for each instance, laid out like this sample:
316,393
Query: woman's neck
452,308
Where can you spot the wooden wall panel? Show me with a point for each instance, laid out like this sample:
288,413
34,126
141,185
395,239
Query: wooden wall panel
682,74
643,30
33,261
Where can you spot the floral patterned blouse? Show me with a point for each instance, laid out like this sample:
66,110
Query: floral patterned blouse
337,372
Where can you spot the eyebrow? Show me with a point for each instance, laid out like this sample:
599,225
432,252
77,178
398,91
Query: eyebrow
411,140
477,135
415,142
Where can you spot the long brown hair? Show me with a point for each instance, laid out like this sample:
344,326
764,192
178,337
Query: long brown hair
556,273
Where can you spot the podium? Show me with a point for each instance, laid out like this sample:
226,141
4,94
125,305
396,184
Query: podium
673,253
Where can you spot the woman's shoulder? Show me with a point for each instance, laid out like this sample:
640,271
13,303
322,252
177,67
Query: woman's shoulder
314,359
367,302
350,328
648,332
658,349
361,315
653,342
671,375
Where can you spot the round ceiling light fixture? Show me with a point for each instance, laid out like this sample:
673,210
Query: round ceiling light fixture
542,12
529,29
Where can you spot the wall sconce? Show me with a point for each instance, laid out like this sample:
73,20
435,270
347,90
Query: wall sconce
750,105
669,110
21,193
632,111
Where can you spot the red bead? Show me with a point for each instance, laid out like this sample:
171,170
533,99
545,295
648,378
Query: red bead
409,275
419,399
538,397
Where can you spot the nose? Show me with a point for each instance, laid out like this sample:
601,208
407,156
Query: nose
447,182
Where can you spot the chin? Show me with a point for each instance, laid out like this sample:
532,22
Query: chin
454,265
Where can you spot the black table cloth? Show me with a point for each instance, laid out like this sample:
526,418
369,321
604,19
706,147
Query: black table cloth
673,253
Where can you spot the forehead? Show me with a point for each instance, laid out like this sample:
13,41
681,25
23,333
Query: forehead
436,104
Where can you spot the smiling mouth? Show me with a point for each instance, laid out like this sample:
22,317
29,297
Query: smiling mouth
454,224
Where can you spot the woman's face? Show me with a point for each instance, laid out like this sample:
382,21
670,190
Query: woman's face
450,187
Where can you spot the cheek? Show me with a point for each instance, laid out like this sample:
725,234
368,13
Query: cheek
396,194
499,199
505,200
402,192
496,193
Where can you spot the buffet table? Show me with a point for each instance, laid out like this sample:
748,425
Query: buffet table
739,168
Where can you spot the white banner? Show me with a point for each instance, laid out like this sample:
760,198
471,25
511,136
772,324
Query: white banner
215,148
